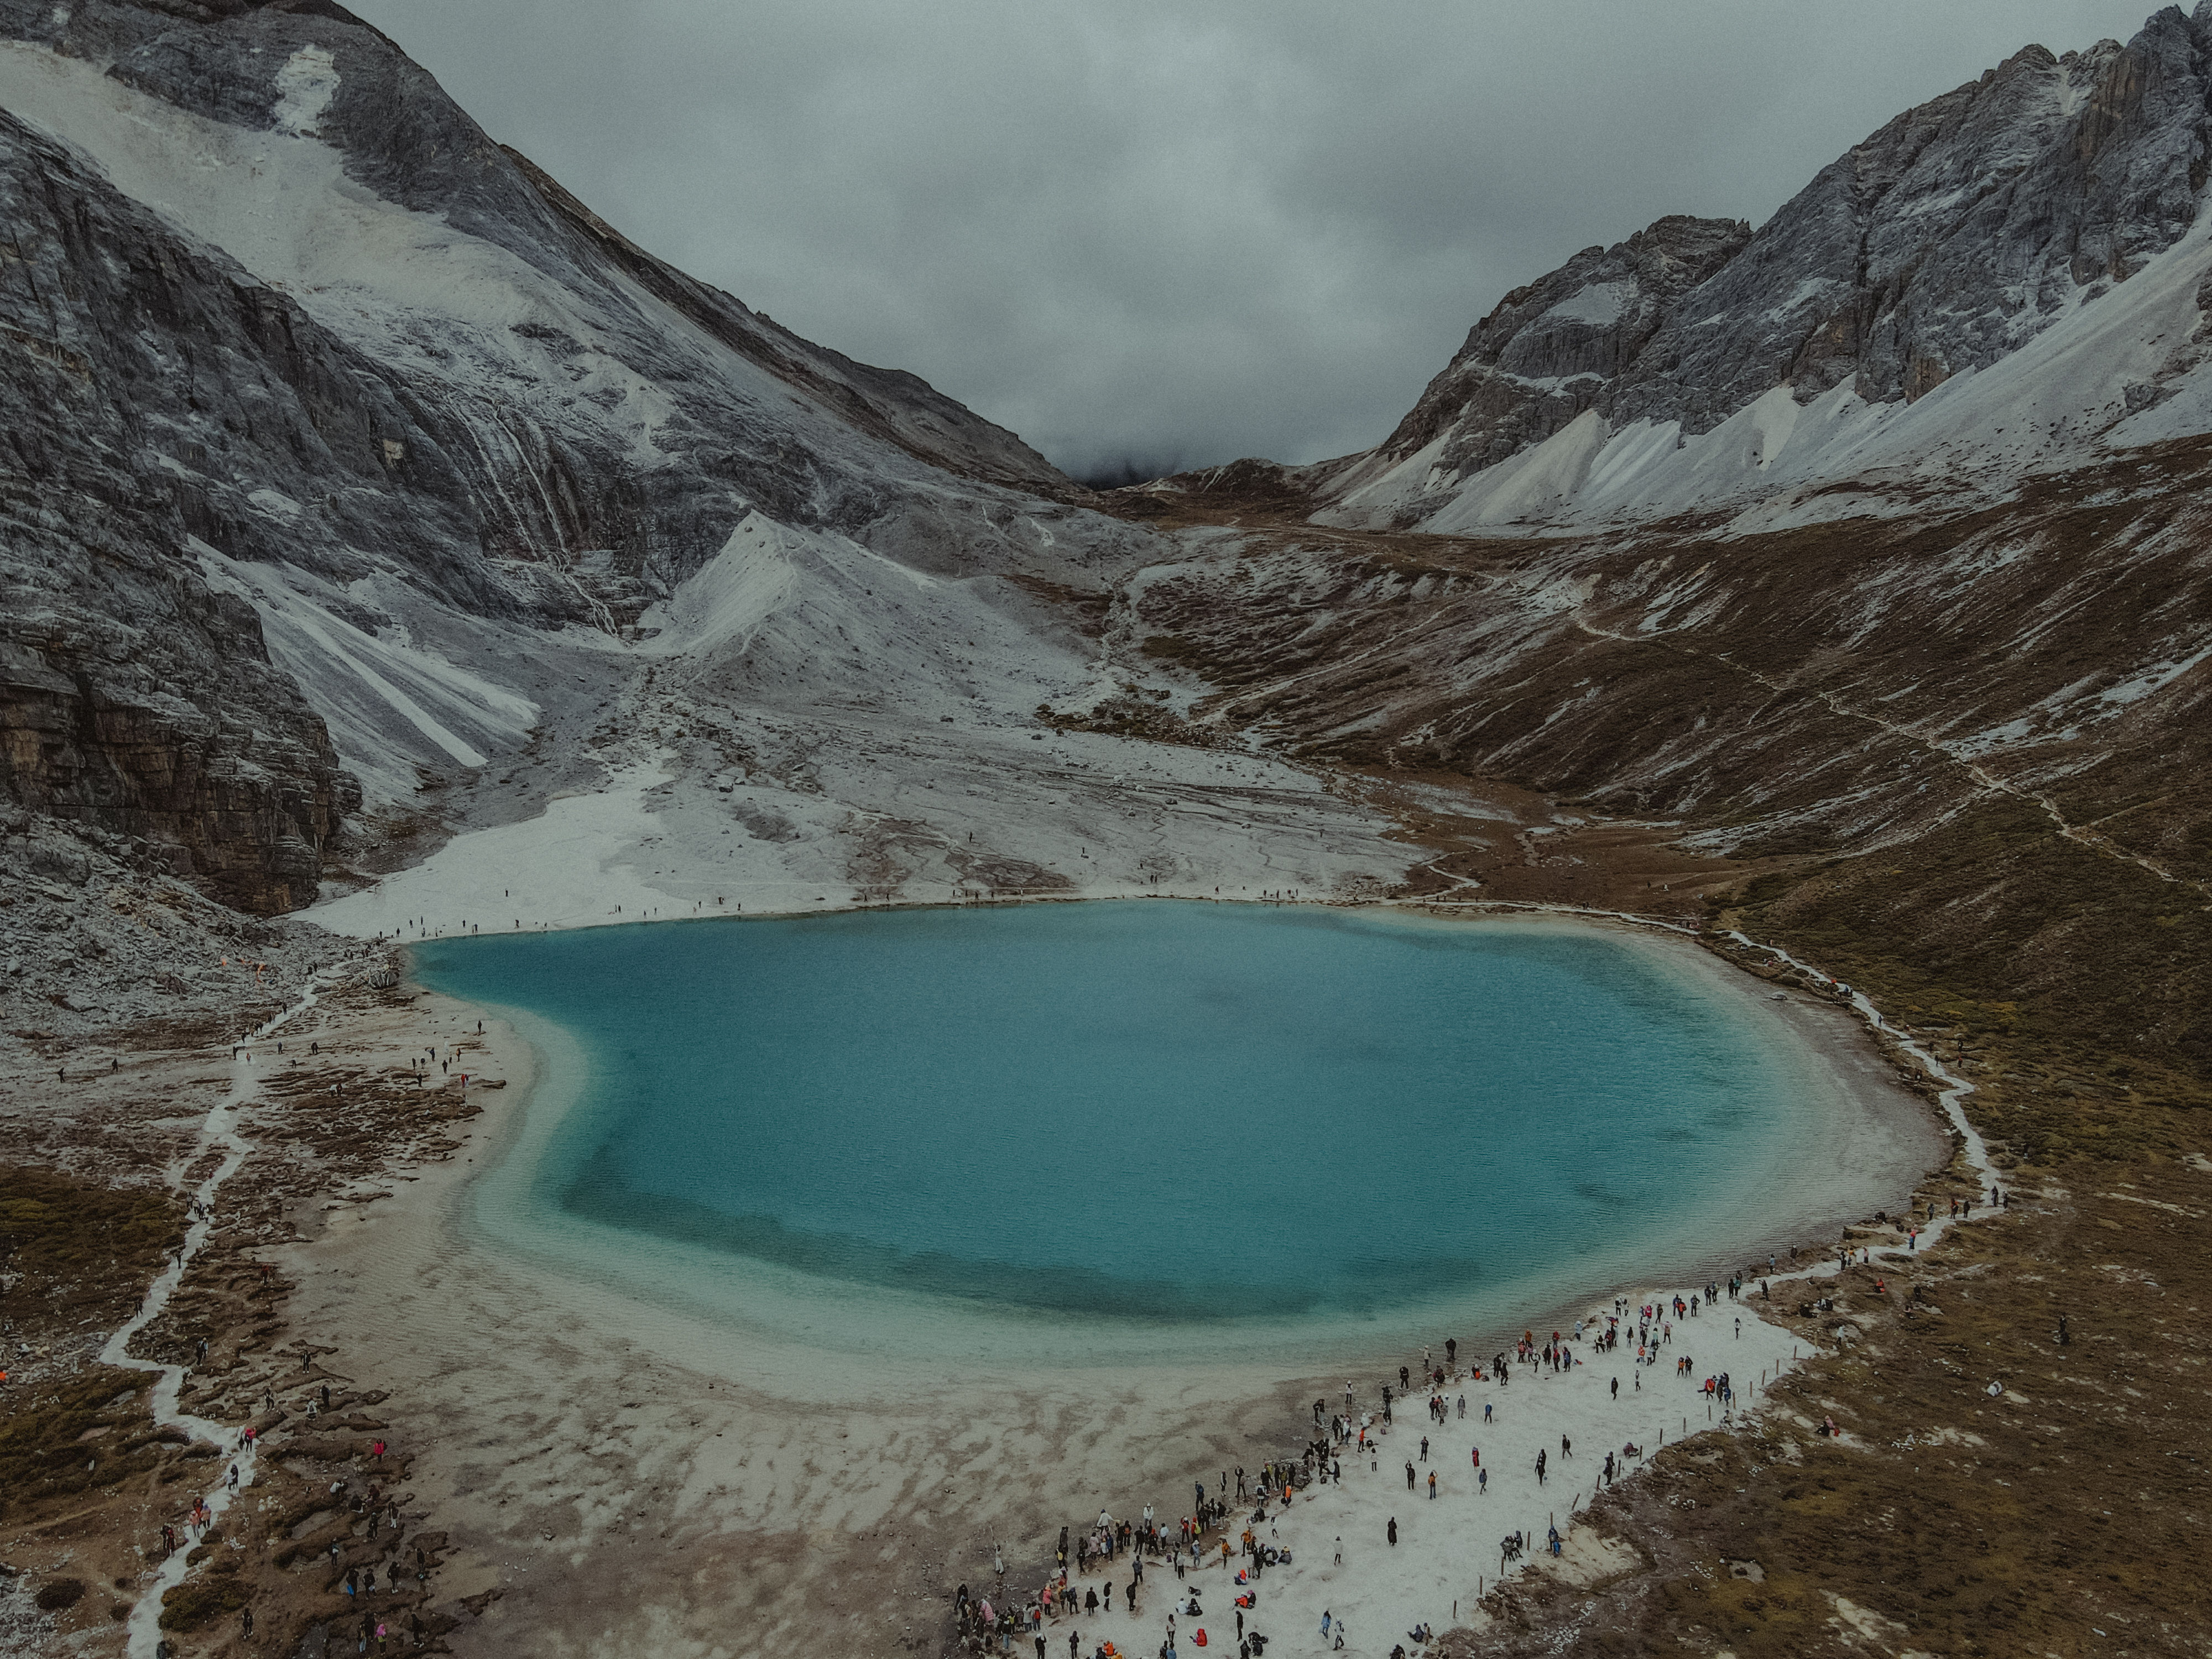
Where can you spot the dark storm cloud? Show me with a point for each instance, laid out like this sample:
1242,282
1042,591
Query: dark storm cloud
1183,232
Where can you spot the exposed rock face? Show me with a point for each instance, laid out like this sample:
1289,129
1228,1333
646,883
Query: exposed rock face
346,441
96,933
1562,345
133,696
530,394
1943,242
270,303
1953,234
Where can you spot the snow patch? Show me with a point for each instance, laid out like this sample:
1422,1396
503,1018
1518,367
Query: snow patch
1599,305
406,287
2097,378
2154,679
359,682
1537,483
733,595
571,867
276,504
305,86
1995,738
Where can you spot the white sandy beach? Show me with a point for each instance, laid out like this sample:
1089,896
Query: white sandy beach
1447,1552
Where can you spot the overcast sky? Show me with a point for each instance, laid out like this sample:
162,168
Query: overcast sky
1174,233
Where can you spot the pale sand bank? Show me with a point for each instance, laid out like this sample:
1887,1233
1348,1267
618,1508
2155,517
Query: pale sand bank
636,1479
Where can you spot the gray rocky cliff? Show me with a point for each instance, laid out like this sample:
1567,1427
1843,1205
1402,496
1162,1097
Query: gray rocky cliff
133,696
1563,344
191,401
1942,242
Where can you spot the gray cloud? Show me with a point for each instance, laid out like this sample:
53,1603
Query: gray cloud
1183,232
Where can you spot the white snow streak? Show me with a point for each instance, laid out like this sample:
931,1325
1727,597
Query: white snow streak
305,86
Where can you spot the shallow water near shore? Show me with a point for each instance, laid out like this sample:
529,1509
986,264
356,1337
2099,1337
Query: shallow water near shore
1170,1131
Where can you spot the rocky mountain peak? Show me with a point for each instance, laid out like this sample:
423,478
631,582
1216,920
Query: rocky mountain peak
1550,350
1943,242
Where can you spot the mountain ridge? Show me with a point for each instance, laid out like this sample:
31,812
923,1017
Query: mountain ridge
974,448
458,404
1941,244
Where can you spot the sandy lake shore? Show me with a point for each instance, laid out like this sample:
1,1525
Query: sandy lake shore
620,1477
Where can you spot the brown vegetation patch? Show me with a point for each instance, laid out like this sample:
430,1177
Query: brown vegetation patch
1955,1521
72,1251
1134,712
89,1433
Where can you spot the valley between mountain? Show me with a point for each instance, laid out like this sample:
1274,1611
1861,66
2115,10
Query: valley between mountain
392,549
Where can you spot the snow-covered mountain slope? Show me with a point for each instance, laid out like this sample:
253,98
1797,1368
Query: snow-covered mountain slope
372,489
2005,279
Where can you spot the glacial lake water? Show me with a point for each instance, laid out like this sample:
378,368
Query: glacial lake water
1080,1124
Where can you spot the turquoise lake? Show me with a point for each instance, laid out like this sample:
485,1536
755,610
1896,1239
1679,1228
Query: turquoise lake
1140,1113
